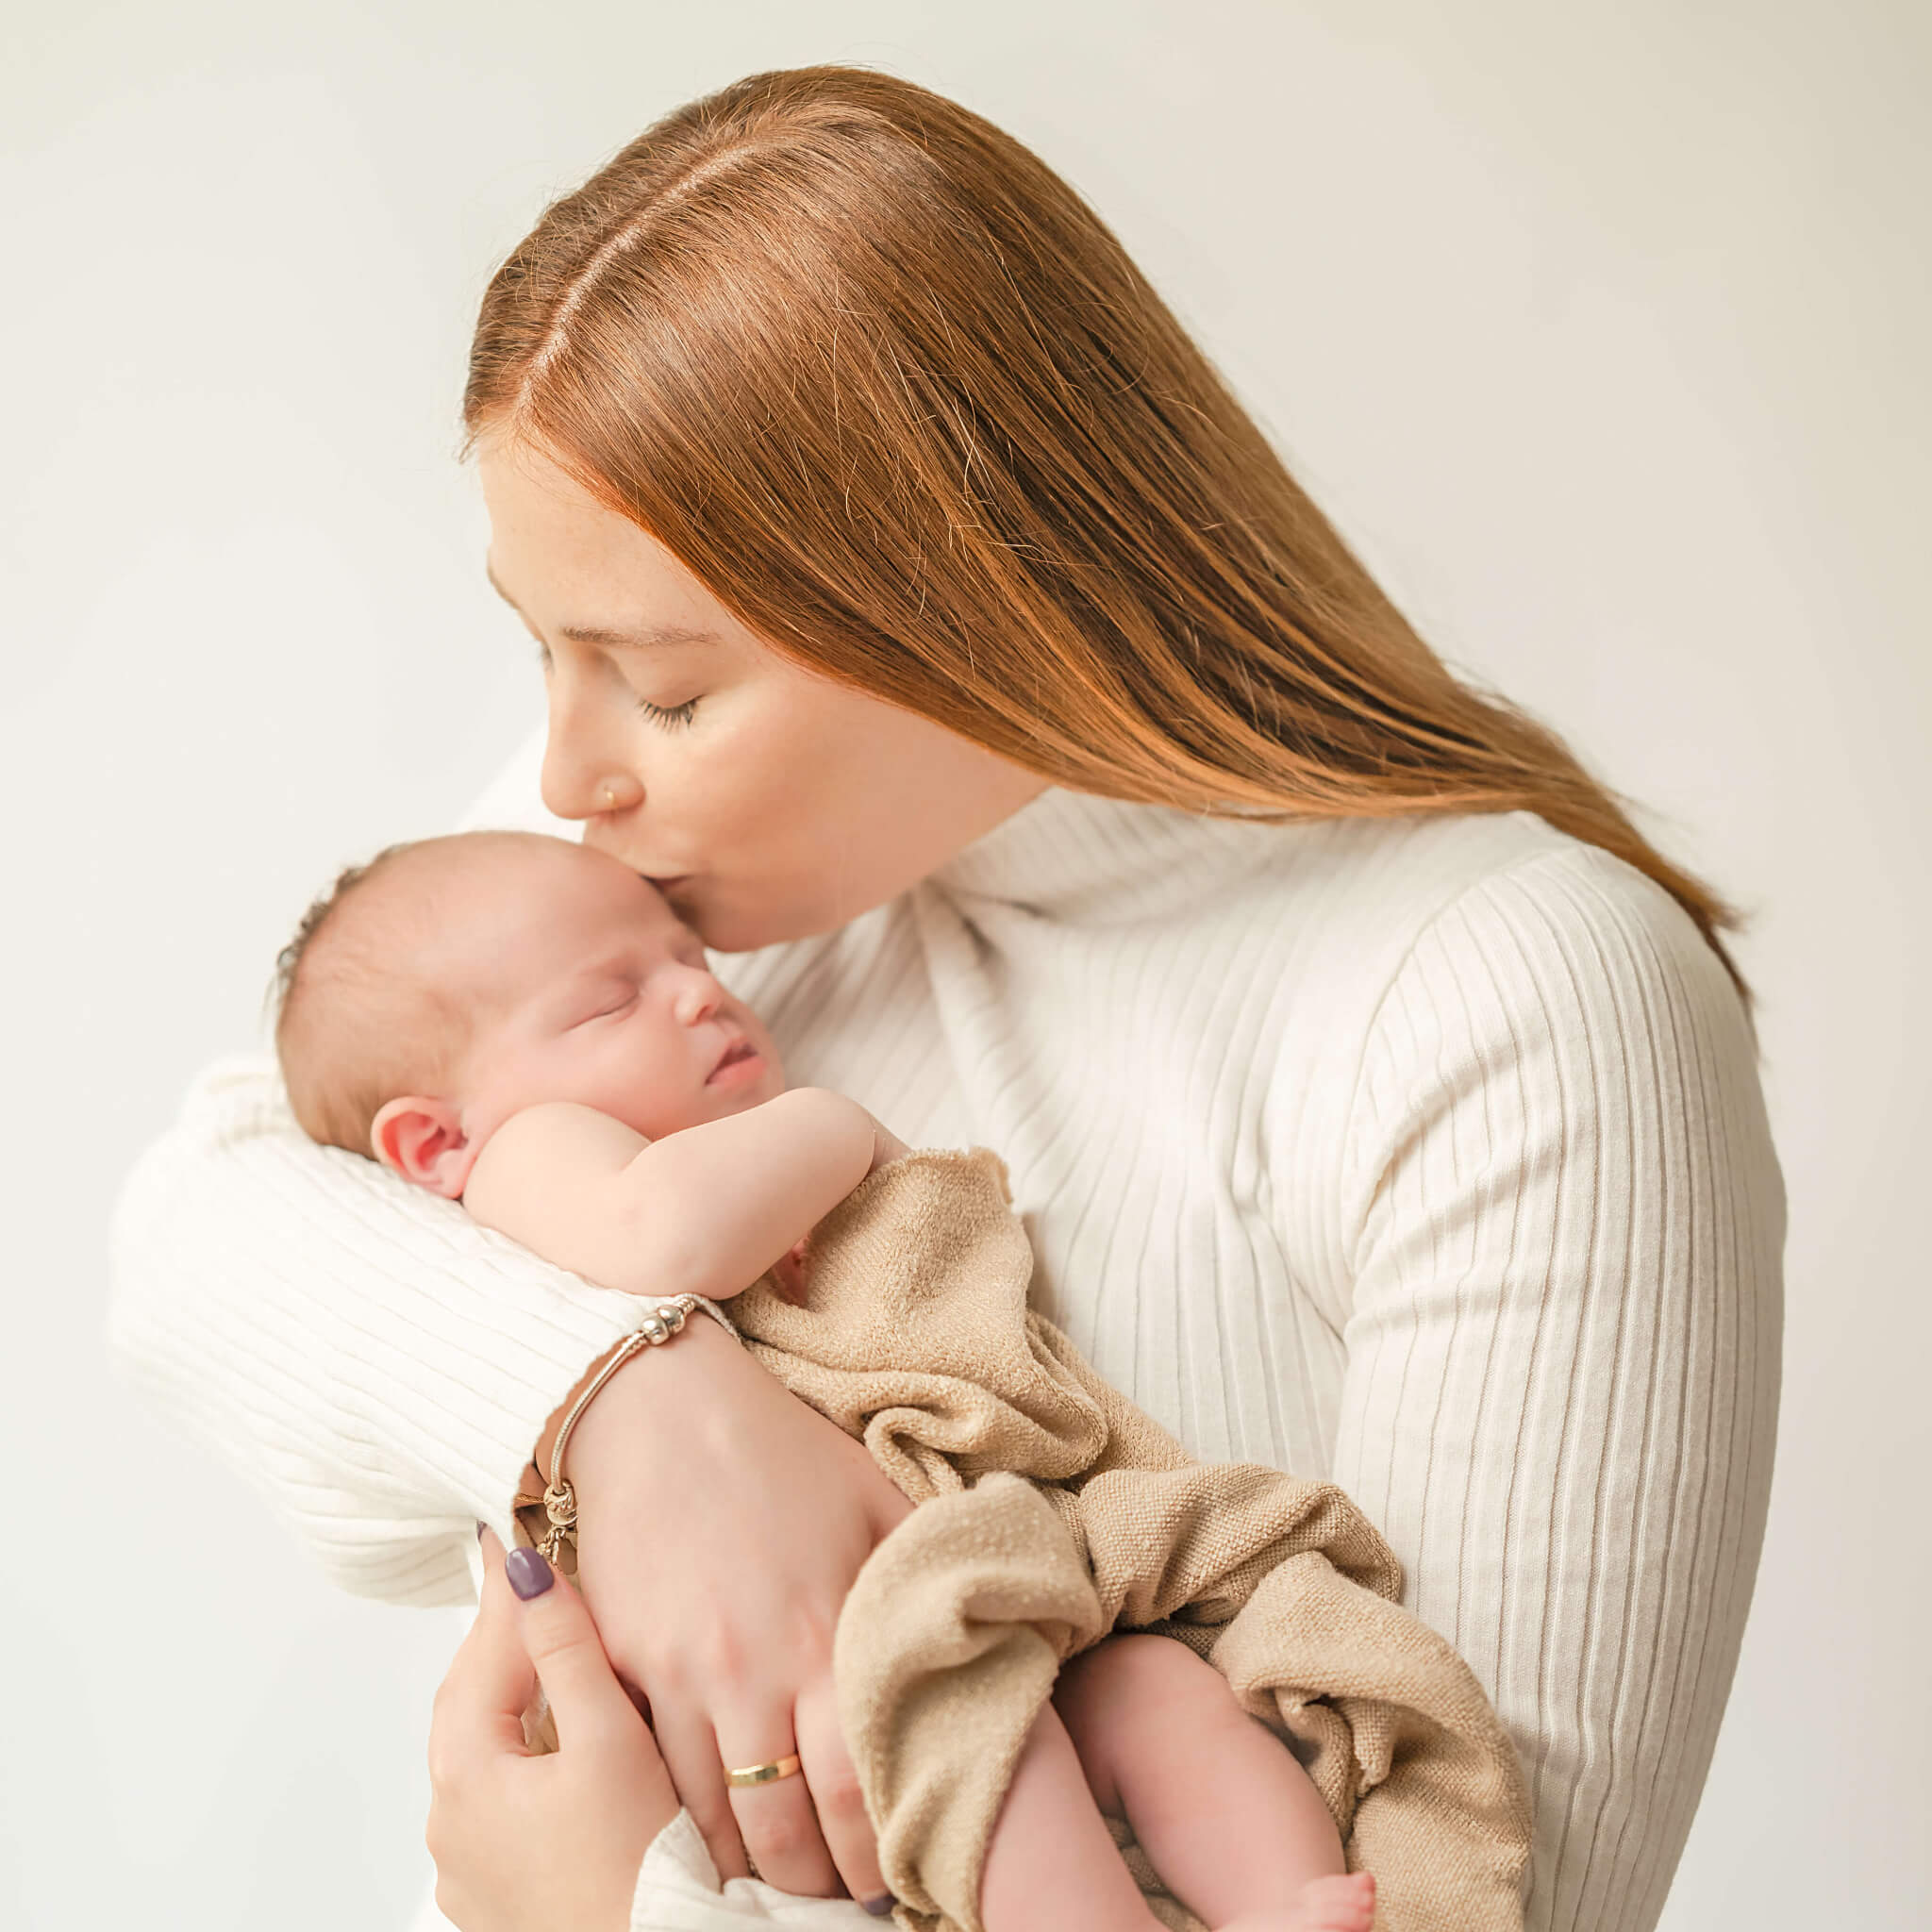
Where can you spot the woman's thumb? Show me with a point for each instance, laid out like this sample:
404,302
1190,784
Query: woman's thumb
559,1639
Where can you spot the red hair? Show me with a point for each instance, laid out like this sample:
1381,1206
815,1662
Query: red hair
881,379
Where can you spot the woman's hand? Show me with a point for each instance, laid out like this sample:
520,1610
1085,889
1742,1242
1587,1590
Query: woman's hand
720,1526
527,1843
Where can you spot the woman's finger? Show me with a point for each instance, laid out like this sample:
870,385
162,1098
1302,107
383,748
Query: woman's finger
592,1710
690,1756
478,1710
549,1841
837,1799
776,1820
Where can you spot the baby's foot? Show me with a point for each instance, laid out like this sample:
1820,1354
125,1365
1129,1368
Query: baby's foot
1326,1905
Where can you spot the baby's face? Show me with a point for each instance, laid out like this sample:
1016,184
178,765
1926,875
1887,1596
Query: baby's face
591,989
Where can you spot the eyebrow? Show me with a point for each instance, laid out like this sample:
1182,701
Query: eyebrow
612,963
644,637
617,961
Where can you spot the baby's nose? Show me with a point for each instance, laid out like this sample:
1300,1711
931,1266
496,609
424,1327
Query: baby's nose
698,997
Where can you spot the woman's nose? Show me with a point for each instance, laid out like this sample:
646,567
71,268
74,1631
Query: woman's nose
582,779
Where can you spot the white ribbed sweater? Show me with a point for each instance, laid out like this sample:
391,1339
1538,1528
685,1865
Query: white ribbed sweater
1427,1154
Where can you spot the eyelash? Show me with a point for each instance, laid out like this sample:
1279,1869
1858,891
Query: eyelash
676,717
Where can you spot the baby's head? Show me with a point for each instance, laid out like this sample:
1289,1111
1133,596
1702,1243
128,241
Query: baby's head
434,991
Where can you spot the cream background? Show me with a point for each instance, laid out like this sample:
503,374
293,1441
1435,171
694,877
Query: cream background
1600,331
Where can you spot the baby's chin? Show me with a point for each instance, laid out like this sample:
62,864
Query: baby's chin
760,1081
766,1081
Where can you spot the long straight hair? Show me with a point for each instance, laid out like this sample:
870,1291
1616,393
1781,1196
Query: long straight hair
892,390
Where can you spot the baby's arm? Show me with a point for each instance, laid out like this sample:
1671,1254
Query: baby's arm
707,1210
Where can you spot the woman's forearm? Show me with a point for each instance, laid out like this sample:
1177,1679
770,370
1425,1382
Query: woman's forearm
365,1355
658,1390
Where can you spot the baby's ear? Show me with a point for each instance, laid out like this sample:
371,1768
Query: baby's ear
422,1141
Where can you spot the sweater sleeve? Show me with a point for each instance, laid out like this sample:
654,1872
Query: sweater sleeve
374,1362
1567,1224
680,1891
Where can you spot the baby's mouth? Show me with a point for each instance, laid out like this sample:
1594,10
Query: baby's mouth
738,1050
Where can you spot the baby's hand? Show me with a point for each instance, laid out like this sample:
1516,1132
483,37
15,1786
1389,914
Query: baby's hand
788,1274
887,1147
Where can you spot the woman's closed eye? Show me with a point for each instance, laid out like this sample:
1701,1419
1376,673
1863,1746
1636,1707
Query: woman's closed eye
673,717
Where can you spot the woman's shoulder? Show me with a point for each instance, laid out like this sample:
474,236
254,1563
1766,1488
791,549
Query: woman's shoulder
1495,994
1505,899
1447,958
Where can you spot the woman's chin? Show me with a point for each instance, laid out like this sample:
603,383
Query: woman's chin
726,929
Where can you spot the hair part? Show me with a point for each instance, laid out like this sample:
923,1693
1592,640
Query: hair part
893,392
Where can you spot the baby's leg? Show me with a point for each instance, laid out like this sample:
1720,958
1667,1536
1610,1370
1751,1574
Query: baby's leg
1052,1865
1233,1824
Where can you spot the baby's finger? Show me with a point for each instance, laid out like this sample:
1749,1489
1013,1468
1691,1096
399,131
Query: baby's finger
478,1709
788,1277
594,1711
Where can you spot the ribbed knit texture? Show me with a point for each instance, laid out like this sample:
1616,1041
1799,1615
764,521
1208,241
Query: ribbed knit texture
1426,1155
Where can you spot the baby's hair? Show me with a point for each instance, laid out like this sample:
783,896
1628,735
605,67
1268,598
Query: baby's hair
288,960
355,1025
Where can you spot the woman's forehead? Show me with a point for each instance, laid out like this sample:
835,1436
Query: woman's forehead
553,546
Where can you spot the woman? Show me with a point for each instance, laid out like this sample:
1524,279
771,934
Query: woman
920,609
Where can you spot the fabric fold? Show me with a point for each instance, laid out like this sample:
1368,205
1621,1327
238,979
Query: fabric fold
1053,1511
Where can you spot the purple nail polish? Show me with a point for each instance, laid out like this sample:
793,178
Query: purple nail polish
881,1907
529,1574
481,1527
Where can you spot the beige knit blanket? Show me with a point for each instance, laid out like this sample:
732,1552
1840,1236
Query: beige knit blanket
1053,1511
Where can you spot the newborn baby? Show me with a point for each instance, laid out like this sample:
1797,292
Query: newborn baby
523,1025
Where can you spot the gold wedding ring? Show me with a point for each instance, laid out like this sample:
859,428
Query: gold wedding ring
761,1774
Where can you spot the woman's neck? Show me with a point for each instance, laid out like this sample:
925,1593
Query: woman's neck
1077,856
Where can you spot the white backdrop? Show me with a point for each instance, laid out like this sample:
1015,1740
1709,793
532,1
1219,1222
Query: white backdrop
1605,338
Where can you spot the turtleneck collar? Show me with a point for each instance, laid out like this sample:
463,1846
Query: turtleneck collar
1076,855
